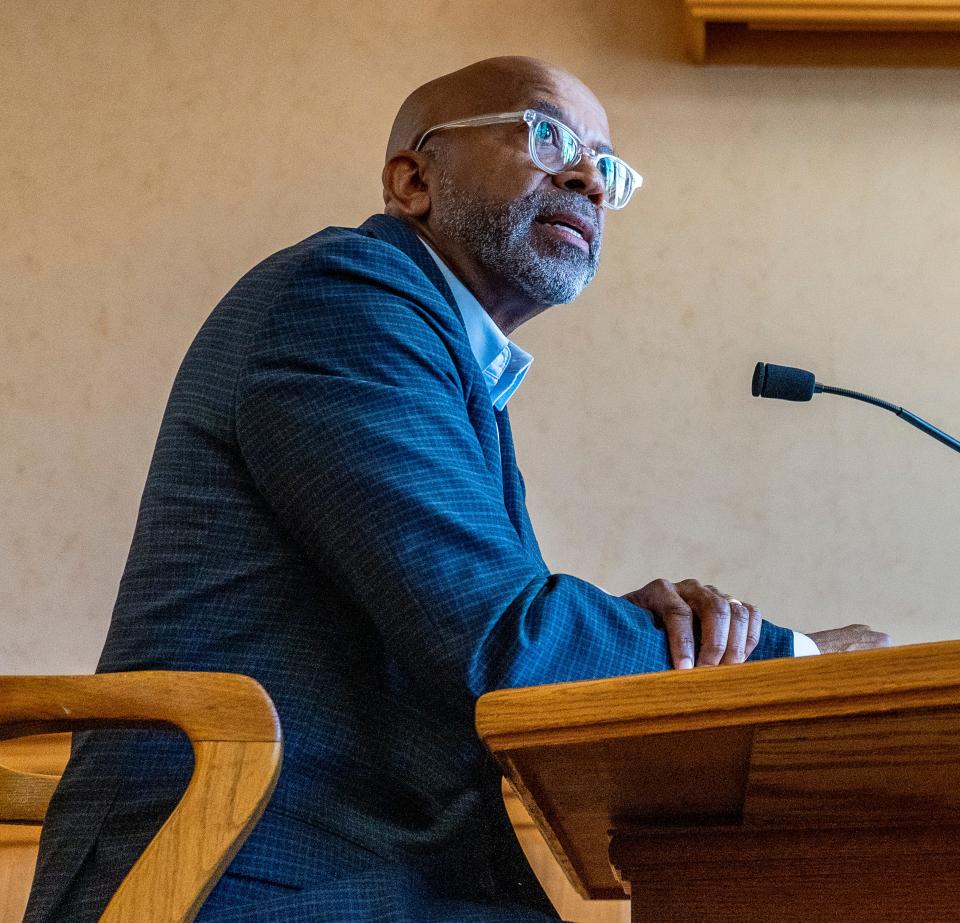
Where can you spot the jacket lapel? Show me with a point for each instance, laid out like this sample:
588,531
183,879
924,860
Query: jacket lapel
400,235
512,489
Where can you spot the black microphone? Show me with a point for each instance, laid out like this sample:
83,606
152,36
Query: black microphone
783,382
789,384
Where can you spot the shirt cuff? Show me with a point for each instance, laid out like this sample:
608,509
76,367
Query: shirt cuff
803,646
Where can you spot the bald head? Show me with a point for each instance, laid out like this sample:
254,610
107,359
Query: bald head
494,85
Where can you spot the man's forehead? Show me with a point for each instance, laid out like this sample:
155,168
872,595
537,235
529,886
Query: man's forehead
558,93
501,85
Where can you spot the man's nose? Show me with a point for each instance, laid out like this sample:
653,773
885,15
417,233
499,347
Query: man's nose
585,178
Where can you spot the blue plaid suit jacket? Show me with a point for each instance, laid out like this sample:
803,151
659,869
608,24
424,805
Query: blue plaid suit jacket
334,508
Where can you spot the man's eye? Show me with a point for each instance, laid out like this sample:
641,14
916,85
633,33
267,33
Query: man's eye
545,132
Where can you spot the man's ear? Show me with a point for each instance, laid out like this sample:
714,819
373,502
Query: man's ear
404,184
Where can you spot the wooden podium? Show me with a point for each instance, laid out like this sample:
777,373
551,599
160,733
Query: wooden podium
821,788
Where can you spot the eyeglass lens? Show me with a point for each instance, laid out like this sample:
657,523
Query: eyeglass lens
557,149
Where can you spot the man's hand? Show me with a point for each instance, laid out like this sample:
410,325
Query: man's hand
729,629
851,638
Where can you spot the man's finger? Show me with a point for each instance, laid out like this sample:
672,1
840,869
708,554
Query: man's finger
673,614
713,611
678,620
751,619
737,636
753,630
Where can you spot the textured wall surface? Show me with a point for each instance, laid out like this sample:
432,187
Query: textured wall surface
152,152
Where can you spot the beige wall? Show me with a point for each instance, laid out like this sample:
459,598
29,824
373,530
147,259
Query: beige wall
151,152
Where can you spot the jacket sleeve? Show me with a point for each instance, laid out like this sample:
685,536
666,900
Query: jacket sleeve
352,418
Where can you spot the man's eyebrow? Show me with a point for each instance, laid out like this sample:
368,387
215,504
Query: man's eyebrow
554,111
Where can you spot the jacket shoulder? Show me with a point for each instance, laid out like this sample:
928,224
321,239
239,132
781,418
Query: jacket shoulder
347,277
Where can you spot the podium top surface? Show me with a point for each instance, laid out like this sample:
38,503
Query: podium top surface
845,740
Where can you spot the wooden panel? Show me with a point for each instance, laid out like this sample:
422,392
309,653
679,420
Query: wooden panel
682,776
826,16
738,876
870,771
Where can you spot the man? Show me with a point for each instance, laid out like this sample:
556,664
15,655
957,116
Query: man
334,508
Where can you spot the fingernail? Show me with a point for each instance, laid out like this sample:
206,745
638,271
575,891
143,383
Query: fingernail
685,664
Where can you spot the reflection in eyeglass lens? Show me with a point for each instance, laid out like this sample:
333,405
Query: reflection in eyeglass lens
555,145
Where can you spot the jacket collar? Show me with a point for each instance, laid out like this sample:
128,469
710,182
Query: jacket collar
398,233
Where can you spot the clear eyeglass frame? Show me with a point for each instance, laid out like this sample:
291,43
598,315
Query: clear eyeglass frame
533,119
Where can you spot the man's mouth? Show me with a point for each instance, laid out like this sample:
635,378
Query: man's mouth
570,228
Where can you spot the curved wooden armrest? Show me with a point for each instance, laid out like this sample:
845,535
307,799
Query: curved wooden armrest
236,739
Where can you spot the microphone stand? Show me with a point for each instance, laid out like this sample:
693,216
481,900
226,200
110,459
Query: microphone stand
901,412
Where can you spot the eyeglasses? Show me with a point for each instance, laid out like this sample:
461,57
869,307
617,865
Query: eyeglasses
555,148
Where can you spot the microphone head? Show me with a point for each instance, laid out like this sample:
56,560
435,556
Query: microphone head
782,382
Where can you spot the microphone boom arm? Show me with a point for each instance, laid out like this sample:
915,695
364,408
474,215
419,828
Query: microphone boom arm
901,412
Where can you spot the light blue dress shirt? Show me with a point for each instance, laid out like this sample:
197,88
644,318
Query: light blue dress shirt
503,363
504,366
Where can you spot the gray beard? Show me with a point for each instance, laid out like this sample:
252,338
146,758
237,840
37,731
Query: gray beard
501,237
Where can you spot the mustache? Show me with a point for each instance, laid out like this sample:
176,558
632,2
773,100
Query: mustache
548,201
545,203
561,200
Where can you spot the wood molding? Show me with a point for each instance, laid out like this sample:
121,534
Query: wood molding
825,16
914,676
551,875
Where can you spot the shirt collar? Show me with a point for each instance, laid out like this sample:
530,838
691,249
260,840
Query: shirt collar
503,363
